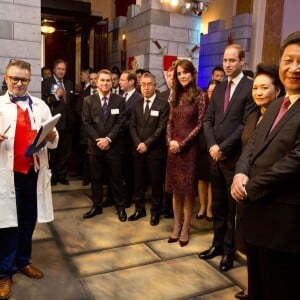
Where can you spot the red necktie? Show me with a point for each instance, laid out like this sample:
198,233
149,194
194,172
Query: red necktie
284,107
227,95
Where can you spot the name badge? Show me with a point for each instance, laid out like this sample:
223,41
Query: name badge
154,113
115,111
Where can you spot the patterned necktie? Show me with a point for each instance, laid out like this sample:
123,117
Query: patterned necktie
147,110
227,95
104,106
61,85
283,109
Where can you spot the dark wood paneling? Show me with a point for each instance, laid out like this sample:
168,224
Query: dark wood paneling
61,45
122,6
272,31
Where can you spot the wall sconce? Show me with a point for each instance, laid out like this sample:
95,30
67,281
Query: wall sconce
47,26
123,52
191,51
159,47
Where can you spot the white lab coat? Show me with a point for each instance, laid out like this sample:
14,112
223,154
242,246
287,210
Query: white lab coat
8,211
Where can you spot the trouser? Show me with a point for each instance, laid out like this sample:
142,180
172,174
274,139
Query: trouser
144,166
223,206
16,242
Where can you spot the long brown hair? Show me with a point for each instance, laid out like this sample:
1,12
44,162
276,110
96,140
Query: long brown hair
191,90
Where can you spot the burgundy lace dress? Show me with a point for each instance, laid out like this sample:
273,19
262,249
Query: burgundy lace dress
184,125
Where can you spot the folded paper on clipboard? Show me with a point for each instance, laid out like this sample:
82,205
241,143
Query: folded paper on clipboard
39,140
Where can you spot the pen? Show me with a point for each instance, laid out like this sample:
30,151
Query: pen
5,131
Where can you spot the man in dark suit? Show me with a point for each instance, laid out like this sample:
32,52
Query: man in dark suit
167,207
103,116
57,92
224,121
115,83
147,129
91,89
127,84
267,184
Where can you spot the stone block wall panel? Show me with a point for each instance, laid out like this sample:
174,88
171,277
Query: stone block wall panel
212,45
20,37
6,30
215,26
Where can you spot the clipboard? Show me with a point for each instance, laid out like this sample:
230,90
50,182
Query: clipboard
39,142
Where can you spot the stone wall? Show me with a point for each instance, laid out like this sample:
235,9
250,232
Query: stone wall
176,33
213,43
20,37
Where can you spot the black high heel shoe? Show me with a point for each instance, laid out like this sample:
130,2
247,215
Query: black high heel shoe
174,240
200,217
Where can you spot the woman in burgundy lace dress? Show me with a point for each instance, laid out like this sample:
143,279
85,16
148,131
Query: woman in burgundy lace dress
188,106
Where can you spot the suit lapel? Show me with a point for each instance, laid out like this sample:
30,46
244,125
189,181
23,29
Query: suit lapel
264,138
234,96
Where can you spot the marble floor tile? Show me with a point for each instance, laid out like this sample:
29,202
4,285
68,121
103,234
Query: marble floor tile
59,281
102,258
114,259
198,242
157,281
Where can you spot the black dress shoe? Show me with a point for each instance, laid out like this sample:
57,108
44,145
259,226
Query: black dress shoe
209,219
210,253
168,215
154,220
122,215
108,203
226,262
242,295
138,214
64,181
93,212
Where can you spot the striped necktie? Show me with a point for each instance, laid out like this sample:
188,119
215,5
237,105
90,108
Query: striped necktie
104,106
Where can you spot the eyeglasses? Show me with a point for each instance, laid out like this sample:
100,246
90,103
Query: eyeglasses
15,80
147,84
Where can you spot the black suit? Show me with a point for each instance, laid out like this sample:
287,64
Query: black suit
271,213
225,130
152,133
59,156
105,163
128,164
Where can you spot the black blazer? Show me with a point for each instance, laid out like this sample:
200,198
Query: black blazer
97,127
152,131
225,129
59,106
271,213
129,106
78,112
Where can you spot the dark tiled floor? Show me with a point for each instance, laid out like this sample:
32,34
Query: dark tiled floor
102,258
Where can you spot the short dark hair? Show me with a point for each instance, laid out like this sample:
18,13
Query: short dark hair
59,61
272,71
217,68
293,38
19,63
130,76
